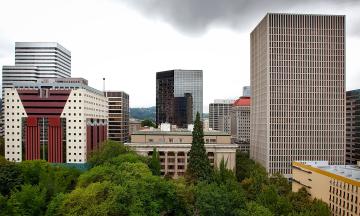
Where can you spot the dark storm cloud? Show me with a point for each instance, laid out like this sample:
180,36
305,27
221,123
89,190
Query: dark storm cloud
195,16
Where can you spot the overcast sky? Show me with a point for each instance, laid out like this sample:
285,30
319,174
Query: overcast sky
128,41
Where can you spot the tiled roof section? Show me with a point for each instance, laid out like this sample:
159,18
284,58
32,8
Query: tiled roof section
242,101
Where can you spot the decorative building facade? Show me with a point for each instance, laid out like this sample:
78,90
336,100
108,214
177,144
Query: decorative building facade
174,145
297,90
179,96
352,126
35,61
60,122
118,125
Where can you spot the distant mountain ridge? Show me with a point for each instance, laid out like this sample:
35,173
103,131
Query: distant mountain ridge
142,113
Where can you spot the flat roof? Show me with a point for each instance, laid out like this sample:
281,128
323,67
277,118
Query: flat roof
178,132
30,85
348,171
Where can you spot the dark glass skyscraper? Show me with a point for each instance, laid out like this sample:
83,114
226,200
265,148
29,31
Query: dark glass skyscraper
179,96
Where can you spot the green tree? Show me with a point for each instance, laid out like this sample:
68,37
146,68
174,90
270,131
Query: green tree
96,199
244,165
147,123
10,176
219,199
30,200
282,185
255,209
55,204
222,174
319,208
155,165
108,150
34,170
270,199
255,183
199,167
300,200
2,146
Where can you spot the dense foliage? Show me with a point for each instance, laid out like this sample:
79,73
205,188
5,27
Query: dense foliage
148,123
199,168
155,165
120,182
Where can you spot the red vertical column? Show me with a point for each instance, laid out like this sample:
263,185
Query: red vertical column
32,146
105,132
50,144
88,140
54,141
101,134
94,132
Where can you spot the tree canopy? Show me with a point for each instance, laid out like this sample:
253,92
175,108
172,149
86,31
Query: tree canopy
199,168
120,182
147,123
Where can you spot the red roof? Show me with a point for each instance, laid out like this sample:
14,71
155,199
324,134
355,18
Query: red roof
242,101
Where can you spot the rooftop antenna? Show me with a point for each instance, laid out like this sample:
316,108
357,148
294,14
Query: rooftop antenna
104,84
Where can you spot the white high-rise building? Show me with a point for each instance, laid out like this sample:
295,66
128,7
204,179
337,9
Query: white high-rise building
37,60
297,90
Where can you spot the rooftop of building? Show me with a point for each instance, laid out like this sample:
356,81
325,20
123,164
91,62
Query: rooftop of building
78,83
242,101
347,171
223,101
178,132
65,80
41,44
167,129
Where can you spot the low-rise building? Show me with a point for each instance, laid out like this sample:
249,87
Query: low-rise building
134,125
336,185
173,145
57,120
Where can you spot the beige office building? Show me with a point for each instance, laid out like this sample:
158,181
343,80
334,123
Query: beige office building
173,145
297,90
336,185
118,127
240,122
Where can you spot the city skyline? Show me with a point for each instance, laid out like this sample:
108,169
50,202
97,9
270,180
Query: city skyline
124,41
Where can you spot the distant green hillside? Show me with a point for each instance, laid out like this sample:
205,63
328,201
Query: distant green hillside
148,113
143,113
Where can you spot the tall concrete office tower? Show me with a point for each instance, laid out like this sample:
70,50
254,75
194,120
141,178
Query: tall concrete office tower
118,124
179,96
352,126
218,112
246,91
37,60
297,90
